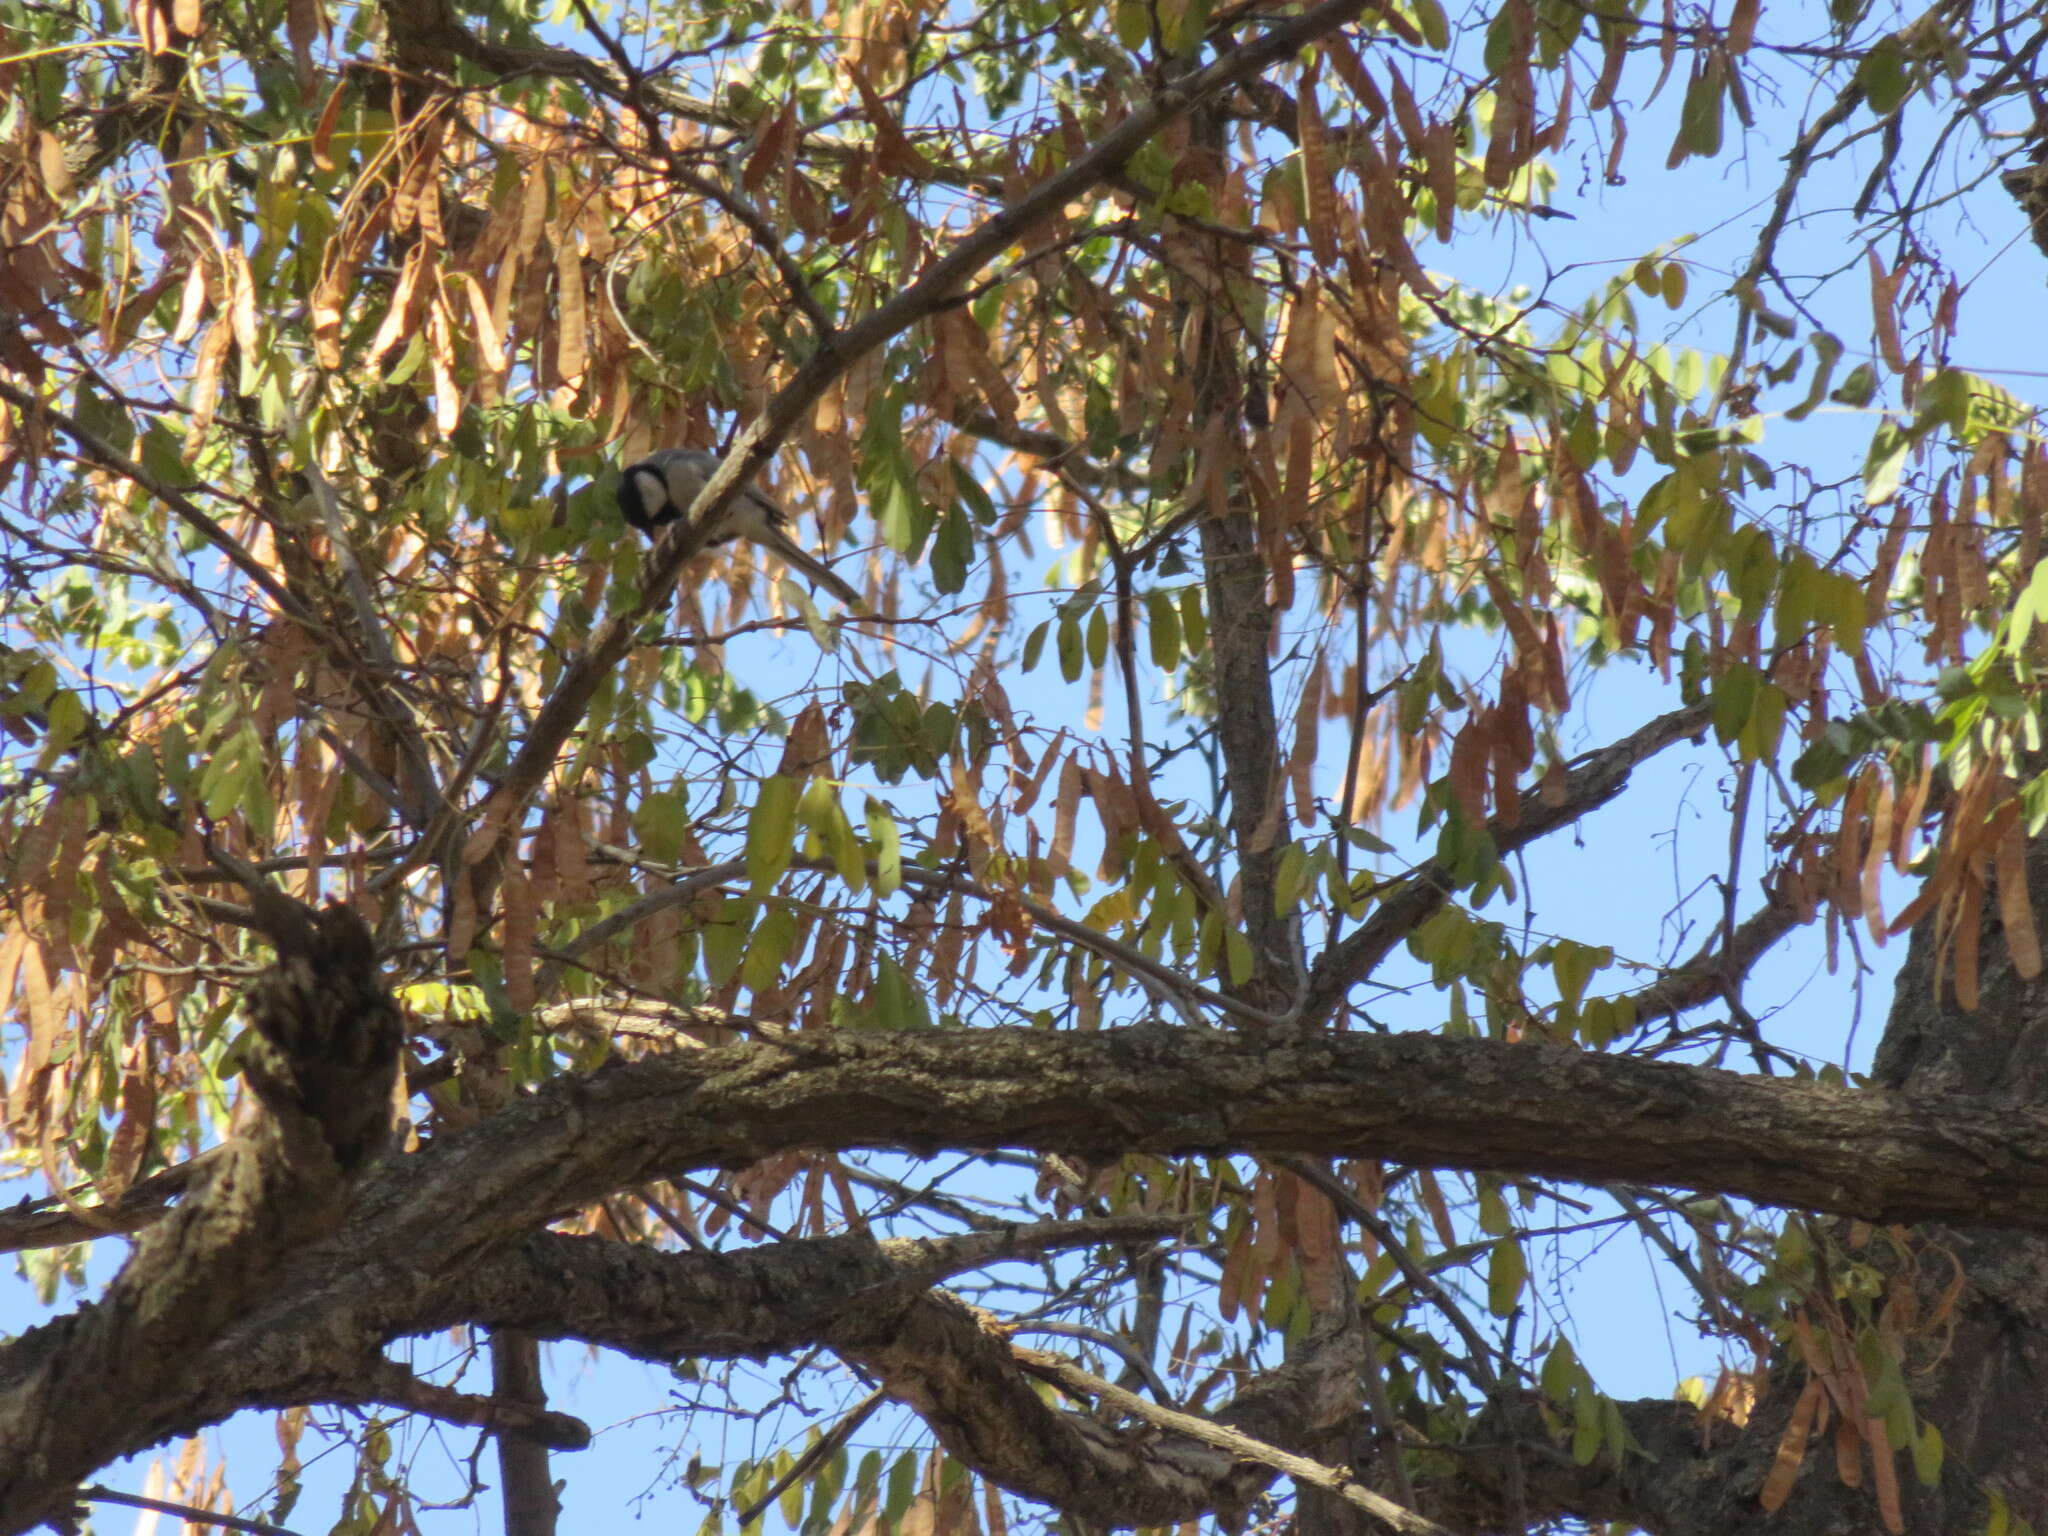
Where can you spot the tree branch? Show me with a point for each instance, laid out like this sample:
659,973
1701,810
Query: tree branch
758,443
1069,1375
1598,778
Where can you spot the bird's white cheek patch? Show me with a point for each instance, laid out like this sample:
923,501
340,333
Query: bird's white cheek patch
651,491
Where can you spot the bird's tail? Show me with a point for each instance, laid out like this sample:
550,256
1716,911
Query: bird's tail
795,556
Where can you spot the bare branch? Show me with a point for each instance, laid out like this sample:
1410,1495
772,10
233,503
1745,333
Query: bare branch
1383,1509
1597,779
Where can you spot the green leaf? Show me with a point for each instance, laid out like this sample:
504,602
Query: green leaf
1506,1273
769,948
790,1503
1840,604
1181,24
1859,388
1194,622
1289,878
1164,620
1070,648
1133,24
1237,954
839,838
1884,76
1927,1455
1734,698
1561,1374
1586,1432
1761,733
1574,965
1435,26
661,822
902,1488
725,941
952,551
1034,645
1494,1219
888,849
66,716
1828,348
1699,119
974,494
898,1004
1798,585
771,832
1889,445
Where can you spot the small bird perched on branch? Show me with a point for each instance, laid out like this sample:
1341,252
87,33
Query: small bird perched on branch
658,490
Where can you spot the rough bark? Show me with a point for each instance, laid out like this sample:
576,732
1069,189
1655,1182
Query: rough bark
321,1059
1982,1380
524,1483
279,1279
1234,573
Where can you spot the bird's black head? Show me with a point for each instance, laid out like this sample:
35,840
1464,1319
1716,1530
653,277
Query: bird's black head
644,501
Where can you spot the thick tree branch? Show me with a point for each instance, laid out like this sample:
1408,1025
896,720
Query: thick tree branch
320,1057
1526,1109
1706,975
426,1244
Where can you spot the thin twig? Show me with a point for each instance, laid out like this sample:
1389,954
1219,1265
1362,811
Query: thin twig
816,1452
191,1514
1064,1373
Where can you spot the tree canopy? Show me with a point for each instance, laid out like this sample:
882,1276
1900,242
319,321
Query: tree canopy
1111,1005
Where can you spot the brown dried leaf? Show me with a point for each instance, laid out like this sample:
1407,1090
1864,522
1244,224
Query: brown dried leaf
449,395
1618,40
490,343
151,25
325,310
1317,182
893,151
1742,26
1073,779
1849,1451
205,392
1301,763
1406,113
571,344
304,23
1351,69
1471,749
51,163
1884,294
967,805
1885,1477
131,1138
1028,795
1439,1212
2015,905
521,923
1791,1452
807,749
768,152
242,302
564,830
1874,857
44,1026
1968,912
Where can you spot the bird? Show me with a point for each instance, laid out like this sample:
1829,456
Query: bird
659,489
